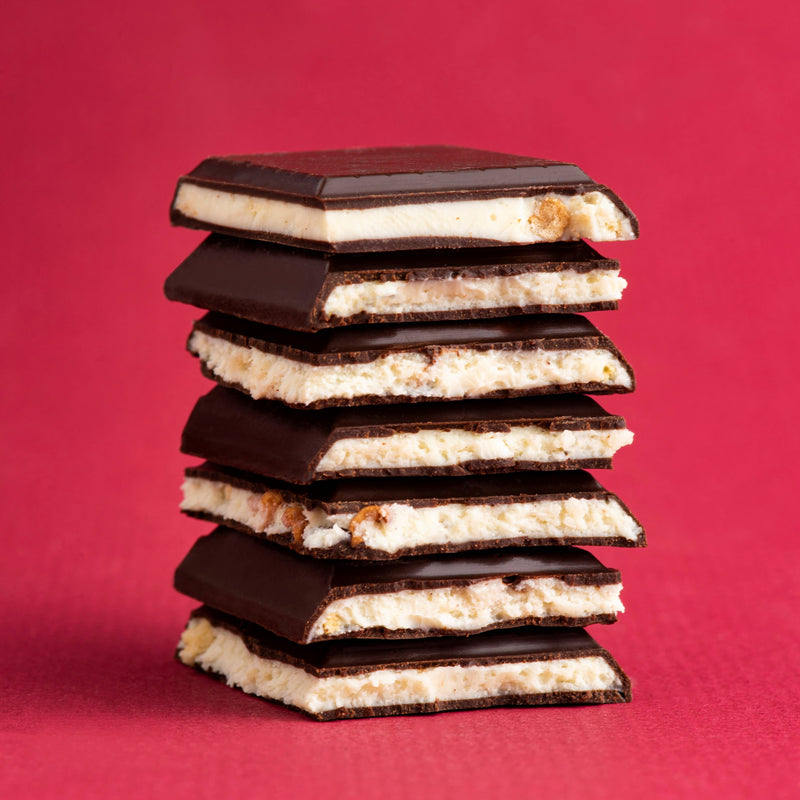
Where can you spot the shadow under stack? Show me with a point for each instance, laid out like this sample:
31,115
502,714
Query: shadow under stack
395,453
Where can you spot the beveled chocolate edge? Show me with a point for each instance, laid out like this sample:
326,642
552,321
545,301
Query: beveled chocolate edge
356,246
422,493
361,344
391,171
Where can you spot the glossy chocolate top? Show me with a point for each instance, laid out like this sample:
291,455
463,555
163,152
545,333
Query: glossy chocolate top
270,439
384,171
362,343
349,657
285,592
351,494
287,287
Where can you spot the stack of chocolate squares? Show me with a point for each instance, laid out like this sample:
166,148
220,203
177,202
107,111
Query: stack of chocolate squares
394,454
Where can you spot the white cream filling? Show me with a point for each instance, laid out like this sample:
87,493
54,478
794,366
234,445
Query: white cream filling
567,287
394,526
438,448
548,217
466,608
454,372
219,650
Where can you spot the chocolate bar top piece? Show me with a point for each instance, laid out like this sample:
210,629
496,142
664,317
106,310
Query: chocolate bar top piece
214,196
331,658
275,441
286,593
292,288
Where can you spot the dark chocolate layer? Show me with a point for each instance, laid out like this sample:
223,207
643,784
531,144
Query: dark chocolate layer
362,656
372,176
348,496
286,593
363,343
351,496
269,439
288,287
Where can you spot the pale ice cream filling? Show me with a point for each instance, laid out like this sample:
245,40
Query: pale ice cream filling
452,372
562,288
475,607
390,527
217,649
547,217
439,448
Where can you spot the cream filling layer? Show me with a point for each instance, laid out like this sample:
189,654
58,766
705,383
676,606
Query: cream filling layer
548,217
466,608
453,372
219,650
394,526
439,448
566,287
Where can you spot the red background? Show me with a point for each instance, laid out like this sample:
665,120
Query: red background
688,112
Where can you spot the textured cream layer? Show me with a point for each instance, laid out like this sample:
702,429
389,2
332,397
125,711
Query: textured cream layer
217,649
438,448
451,373
264,513
568,287
466,608
519,220
395,526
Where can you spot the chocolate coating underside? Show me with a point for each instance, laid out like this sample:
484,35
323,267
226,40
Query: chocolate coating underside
288,287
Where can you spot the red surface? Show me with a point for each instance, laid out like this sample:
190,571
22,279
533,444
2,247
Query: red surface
689,112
